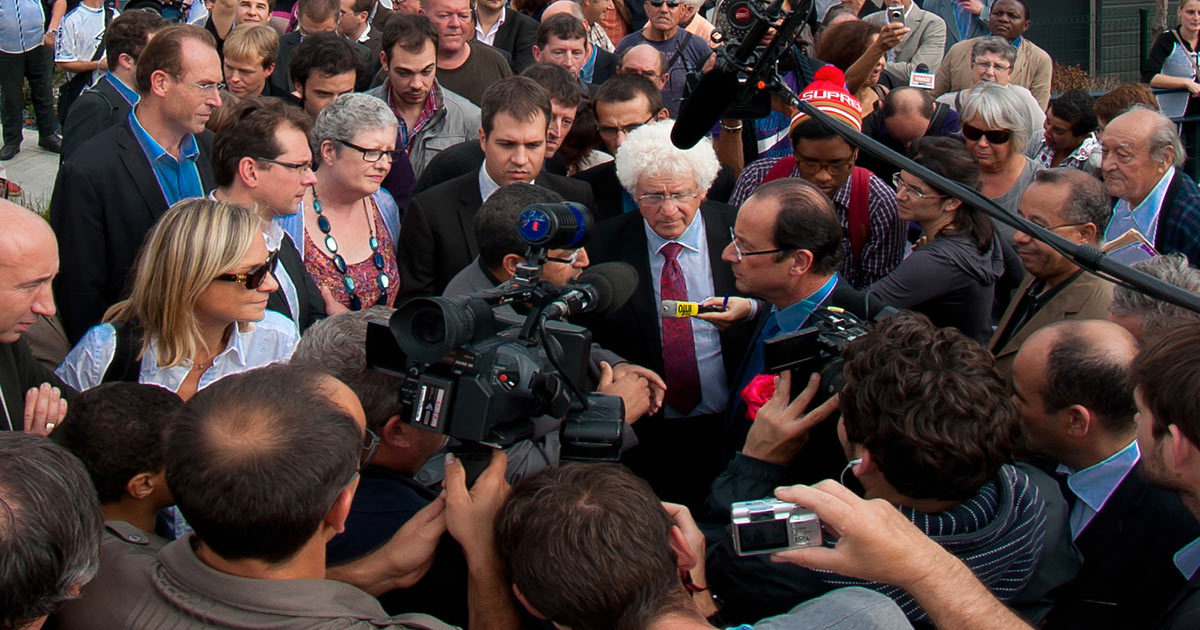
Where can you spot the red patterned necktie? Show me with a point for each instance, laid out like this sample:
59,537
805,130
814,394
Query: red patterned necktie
679,348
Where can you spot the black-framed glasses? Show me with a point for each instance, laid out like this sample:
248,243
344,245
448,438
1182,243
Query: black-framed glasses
299,167
256,276
671,4
610,133
740,254
370,444
994,136
811,167
371,155
900,185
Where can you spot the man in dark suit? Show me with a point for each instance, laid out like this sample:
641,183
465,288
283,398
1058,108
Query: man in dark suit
108,102
261,159
675,241
1166,378
504,29
1072,389
108,196
439,234
28,262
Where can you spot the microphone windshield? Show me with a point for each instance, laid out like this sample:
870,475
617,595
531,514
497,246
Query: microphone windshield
713,95
614,282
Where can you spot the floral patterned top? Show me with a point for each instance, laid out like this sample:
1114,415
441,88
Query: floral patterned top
366,276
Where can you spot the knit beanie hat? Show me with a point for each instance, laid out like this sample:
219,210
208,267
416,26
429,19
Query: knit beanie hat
828,93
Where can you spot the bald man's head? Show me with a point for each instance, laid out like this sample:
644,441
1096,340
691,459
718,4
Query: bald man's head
906,113
564,6
28,264
1073,372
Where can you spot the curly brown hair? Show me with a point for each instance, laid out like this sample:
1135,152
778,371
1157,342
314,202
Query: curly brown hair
930,406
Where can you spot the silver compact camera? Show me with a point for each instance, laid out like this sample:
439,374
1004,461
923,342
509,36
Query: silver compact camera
770,525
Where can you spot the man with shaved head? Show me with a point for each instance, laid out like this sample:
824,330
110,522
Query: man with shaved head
1071,384
30,394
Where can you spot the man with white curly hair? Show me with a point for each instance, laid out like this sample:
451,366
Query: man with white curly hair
675,242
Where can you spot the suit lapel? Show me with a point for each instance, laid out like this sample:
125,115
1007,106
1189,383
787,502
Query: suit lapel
644,307
469,200
141,174
716,232
1008,313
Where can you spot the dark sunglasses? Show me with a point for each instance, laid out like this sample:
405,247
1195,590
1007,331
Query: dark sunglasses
994,136
255,277
671,4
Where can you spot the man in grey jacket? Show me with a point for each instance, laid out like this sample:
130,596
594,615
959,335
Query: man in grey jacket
431,118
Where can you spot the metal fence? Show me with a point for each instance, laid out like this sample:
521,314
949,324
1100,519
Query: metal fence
1123,40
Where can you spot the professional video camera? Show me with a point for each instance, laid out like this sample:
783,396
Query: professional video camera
490,381
815,349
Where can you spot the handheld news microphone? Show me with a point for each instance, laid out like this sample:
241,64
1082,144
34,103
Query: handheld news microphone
676,308
921,77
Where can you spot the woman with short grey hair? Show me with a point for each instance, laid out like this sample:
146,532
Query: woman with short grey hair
996,130
349,229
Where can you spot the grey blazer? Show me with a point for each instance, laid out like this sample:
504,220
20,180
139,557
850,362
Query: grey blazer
925,44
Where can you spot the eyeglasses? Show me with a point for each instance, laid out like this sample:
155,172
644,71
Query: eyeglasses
611,133
370,444
900,185
1058,227
649,74
371,155
654,200
570,260
740,254
994,136
204,87
299,167
256,276
671,4
810,167
985,66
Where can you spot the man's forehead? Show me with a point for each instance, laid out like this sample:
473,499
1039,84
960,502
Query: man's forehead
637,107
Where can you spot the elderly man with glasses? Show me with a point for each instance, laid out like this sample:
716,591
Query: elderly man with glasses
674,240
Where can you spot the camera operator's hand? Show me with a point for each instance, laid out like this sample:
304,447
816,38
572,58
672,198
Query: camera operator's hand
658,387
781,428
633,390
469,514
877,542
403,560
738,309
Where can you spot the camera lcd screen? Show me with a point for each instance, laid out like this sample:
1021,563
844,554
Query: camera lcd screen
762,535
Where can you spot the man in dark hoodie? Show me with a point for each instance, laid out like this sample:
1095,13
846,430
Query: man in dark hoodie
941,462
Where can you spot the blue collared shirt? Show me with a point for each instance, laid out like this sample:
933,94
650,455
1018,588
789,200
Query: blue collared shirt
697,273
178,179
22,26
129,94
1143,218
1096,483
788,320
589,68
1187,560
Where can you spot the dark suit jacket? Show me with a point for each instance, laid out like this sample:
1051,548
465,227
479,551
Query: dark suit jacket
517,36
18,372
311,306
633,330
106,199
1184,611
610,202
280,81
606,66
467,157
437,238
1128,575
97,108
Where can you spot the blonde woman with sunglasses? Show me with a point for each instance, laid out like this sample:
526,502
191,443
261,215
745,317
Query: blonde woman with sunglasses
196,311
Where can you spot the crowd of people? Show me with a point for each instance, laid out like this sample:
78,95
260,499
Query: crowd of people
196,432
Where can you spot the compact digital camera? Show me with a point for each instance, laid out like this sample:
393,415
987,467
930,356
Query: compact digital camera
770,525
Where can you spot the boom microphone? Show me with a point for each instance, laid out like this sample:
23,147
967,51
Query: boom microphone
702,109
602,289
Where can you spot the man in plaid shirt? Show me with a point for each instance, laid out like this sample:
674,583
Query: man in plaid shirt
825,160
1141,151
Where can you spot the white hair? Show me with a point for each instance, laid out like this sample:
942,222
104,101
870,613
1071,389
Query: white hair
648,152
